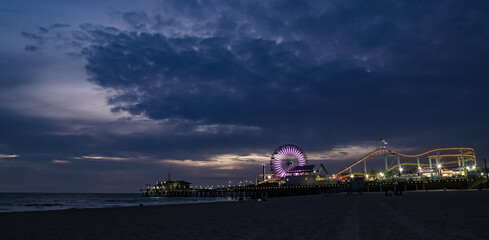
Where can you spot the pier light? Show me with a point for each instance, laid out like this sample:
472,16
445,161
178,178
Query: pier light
401,169
420,168
366,175
438,166
381,174
269,177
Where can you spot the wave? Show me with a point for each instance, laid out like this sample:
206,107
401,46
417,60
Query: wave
43,204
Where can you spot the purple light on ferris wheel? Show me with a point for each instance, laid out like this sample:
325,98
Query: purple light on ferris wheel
285,157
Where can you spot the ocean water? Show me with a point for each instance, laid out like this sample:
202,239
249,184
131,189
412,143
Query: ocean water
21,202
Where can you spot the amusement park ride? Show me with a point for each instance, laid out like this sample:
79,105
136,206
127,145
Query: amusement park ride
289,165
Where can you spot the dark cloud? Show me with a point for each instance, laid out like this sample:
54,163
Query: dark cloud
321,67
43,30
369,59
210,80
137,20
60,25
31,48
33,36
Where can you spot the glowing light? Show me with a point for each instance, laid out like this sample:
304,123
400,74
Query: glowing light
401,169
438,166
381,174
285,156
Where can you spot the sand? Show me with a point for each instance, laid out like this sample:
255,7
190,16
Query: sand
416,215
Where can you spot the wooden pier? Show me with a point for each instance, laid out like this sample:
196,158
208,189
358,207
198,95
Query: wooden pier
256,192
253,192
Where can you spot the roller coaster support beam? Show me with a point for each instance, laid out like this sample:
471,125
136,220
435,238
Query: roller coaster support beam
386,165
485,164
399,163
463,163
475,161
438,164
419,166
365,166
431,168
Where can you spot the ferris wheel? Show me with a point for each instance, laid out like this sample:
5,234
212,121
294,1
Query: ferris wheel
285,157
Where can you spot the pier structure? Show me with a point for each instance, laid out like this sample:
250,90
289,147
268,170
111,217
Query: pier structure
442,168
260,192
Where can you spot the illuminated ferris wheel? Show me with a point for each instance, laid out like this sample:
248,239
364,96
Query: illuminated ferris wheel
285,157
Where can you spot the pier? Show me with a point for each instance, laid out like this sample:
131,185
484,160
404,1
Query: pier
436,169
258,192
247,191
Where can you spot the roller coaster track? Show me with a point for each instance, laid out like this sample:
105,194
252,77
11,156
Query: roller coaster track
385,150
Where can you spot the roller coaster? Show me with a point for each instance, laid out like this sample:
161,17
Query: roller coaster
435,166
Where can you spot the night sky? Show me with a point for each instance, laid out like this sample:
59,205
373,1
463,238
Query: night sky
106,97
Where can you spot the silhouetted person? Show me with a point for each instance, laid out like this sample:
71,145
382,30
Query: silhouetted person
399,189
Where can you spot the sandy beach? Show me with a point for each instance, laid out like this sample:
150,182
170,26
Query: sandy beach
416,215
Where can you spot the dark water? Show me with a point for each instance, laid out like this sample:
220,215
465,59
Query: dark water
20,202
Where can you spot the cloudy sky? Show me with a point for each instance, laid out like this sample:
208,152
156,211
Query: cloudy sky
106,97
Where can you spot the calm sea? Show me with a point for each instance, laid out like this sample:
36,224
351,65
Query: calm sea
20,202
